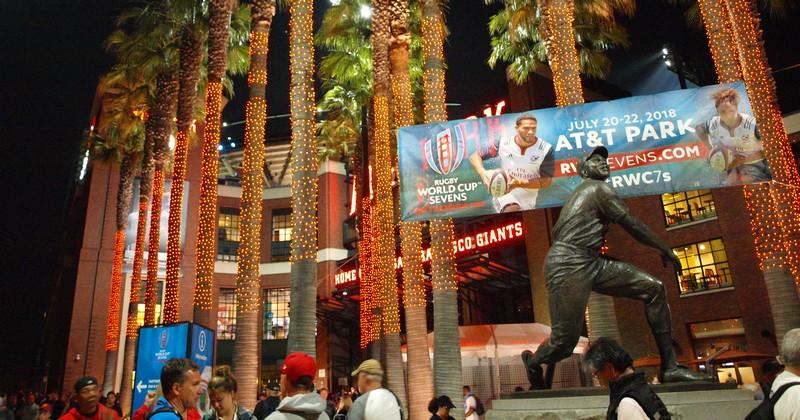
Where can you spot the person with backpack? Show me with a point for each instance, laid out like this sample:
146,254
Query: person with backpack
375,402
222,391
630,396
783,402
180,383
473,408
297,384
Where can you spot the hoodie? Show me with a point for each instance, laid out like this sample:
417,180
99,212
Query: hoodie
308,406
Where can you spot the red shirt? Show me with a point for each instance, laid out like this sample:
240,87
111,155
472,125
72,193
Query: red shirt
102,413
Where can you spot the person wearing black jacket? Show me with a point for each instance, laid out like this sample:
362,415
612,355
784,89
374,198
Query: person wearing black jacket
631,398
265,407
440,408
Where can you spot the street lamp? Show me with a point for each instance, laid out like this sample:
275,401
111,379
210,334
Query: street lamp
366,11
673,63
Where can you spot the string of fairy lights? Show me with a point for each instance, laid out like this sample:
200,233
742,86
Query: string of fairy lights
304,159
720,38
562,53
365,267
151,289
248,294
112,326
775,220
132,330
175,200
207,223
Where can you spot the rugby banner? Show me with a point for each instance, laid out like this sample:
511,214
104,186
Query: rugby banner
674,141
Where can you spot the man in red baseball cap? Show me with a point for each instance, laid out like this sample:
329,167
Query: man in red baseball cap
297,383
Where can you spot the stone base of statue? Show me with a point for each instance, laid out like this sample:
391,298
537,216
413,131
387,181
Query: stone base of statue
685,401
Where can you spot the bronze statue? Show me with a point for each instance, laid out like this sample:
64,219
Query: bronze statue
574,267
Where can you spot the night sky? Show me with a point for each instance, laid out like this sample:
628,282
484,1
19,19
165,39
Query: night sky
52,58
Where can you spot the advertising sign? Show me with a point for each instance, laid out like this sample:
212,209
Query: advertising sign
670,142
160,343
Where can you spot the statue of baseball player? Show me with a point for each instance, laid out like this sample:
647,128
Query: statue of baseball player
574,268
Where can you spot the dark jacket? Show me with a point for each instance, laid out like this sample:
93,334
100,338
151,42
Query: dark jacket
265,407
635,386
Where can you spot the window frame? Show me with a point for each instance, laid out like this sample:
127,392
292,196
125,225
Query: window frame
234,215
712,265
281,295
227,331
281,250
692,213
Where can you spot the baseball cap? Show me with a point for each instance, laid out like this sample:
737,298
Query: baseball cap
370,366
444,401
297,364
274,386
599,150
84,382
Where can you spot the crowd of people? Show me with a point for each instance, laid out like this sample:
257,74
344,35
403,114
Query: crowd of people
295,398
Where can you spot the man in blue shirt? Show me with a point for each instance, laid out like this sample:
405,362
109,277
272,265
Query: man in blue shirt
180,382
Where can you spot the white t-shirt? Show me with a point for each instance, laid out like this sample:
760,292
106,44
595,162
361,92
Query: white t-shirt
381,404
470,402
629,409
788,407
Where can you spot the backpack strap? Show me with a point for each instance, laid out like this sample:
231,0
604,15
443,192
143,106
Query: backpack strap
162,410
780,391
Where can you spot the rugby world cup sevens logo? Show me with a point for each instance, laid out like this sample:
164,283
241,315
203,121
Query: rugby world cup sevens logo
163,339
451,147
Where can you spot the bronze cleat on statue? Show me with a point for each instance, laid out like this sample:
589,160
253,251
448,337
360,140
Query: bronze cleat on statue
535,372
683,374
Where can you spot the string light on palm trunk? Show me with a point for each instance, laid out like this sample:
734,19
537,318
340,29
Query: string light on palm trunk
561,51
176,198
112,326
207,224
304,159
365,262
776,221
138,262
720,38
248,298
151,298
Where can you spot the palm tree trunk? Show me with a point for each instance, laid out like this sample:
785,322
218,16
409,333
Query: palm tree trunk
303,314
219,23
414,296
124,193
720,40
188,76
365,271
778,216
160,123
559,40
246,356
132,330
601,317
384,198
447,345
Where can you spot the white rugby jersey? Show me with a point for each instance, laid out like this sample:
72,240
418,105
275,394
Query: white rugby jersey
745,140
534,162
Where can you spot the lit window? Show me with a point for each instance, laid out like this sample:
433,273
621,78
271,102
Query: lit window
689,206
276,313
281,234
705,267
226,314
141,305
227,234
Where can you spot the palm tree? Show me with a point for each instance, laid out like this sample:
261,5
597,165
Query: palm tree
773,207
384,199
191,57
414,294
447,349
248,281
304,179
218,33
519,32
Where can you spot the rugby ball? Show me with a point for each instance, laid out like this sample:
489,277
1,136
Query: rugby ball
719,158
498,183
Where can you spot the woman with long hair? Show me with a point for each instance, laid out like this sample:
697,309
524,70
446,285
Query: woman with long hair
344,406
222,392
